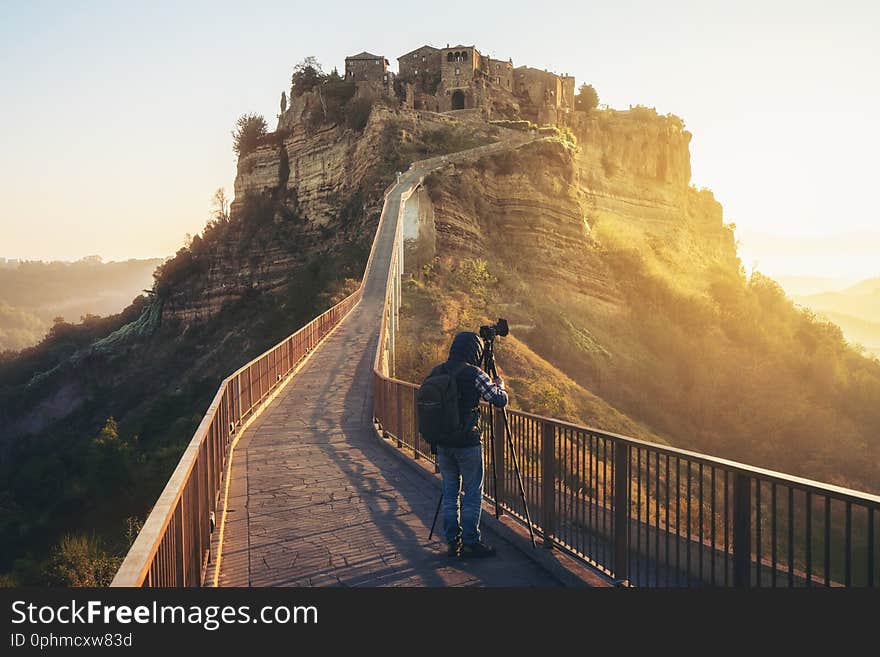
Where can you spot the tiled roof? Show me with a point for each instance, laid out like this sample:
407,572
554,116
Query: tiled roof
417,49
364,55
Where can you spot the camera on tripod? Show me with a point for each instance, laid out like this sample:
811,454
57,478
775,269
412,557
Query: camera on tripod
489,332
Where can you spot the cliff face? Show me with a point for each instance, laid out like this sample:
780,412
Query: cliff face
523,206
307,191
302,194
628,307
551,208
635,177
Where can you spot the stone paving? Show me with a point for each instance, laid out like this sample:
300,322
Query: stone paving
315,500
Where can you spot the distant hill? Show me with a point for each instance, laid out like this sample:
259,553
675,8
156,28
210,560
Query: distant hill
858,330
870,286
855,309
861,300
33,293
805,285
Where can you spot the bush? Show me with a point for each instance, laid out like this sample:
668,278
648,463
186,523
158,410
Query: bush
335,96
357,113
586,99
249,129
80,561
523,125
306,76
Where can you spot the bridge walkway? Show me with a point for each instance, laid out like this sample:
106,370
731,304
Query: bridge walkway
315,499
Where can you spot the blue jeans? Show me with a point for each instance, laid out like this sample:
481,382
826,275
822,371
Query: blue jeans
462,470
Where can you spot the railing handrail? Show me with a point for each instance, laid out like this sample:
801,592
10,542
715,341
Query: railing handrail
837,492
132,572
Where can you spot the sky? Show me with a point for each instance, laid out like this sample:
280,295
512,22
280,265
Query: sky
115,117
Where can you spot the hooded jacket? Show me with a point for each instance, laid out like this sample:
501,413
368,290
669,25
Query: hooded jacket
473,383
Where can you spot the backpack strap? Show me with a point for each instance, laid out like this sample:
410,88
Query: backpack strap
455,370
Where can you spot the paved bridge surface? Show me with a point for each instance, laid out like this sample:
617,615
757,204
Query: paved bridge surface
316,500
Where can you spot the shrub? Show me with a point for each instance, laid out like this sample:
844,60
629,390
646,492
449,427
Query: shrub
306,76
80,561
586,99
523,125
249,129
357,113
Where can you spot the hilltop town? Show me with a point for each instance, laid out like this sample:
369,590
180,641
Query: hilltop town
463,80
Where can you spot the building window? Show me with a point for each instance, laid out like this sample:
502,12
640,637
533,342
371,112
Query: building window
458,71
417,71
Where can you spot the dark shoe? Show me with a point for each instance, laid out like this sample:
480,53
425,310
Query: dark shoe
453,548
477,550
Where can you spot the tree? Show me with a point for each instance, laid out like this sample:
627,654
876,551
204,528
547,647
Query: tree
109,467
306,75
248,130
587,99
220,206
283,102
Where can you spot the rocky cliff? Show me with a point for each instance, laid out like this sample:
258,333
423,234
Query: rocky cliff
550,208
628,304
306,191
635,177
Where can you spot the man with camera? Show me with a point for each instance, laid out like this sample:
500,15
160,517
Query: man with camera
460,451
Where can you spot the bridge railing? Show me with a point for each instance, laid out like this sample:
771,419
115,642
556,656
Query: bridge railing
648,514
173,547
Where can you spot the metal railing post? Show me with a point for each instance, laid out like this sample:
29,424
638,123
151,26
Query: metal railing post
399,428
742,521
238,395
621,511
548,489
498,458
413,423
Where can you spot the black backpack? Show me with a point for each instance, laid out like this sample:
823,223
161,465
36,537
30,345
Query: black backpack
437,401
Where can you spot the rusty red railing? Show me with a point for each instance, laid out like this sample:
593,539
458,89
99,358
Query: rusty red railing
173,547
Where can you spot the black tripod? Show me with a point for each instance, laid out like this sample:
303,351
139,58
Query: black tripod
488,364
489,368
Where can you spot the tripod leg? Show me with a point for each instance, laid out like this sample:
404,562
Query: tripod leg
522,490
436,513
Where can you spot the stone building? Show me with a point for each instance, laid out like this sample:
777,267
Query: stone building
550,95
460,81
501,72
370,73
462,78
418,63
365,67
